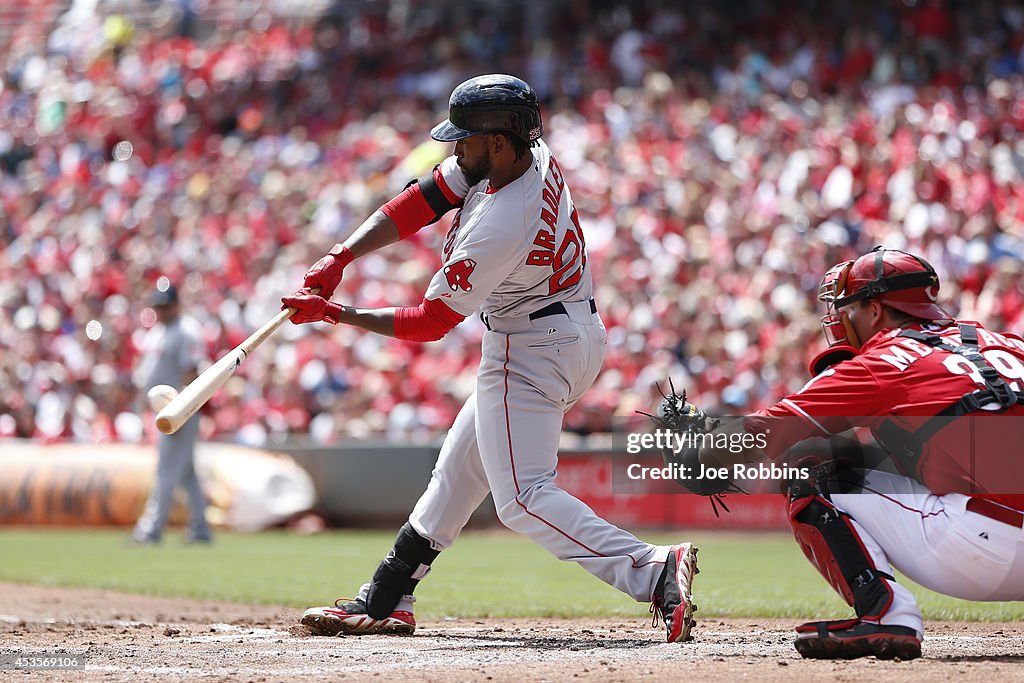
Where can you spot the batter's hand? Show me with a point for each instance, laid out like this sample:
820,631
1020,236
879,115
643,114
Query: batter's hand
312,308
326,273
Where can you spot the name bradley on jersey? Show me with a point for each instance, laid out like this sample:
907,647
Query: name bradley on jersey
554,186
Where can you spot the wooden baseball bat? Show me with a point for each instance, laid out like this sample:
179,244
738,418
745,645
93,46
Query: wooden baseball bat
198,392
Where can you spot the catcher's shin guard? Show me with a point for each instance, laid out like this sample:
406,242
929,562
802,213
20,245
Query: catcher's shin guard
397,575
832,544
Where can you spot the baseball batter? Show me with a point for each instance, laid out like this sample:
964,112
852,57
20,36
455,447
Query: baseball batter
517,254
942,397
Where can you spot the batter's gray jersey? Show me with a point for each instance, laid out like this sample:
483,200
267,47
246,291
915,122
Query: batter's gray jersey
512,252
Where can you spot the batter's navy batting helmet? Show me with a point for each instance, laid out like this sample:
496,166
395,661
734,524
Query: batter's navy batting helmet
489,104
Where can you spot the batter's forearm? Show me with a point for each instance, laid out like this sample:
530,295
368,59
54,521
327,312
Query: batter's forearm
379,320
375,232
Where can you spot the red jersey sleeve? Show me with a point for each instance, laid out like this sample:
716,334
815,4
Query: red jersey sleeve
822,407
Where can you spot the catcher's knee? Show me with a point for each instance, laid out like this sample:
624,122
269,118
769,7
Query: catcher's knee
831,543
398,573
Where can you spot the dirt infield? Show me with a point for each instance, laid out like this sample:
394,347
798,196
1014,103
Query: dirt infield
119,637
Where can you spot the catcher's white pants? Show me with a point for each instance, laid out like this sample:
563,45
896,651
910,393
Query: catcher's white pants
935,542
505,440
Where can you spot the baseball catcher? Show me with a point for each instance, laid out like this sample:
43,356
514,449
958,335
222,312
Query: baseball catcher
940,397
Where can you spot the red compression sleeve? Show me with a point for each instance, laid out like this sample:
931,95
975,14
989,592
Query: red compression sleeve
421,203
409,210
429,321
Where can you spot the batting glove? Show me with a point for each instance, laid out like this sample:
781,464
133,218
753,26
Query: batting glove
311,308
326,273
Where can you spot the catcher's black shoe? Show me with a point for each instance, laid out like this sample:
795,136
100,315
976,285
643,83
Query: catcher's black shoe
853,638
672,600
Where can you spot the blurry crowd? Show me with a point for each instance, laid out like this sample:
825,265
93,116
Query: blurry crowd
722,156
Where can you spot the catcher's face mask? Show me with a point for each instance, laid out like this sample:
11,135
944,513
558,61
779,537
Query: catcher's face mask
835,323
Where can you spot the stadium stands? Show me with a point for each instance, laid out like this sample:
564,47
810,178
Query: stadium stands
721,159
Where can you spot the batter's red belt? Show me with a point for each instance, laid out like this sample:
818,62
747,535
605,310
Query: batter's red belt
1000,513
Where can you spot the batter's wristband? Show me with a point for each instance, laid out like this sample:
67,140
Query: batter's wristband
332,313
342,254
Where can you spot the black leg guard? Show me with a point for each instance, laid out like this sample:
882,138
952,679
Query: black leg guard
831,543
397,575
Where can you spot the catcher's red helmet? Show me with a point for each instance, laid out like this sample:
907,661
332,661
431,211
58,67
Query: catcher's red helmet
894,278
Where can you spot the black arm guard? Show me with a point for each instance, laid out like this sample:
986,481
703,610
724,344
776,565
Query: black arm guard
435,197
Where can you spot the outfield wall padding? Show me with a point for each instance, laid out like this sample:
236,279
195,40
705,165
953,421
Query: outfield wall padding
107,485
354,484
376,484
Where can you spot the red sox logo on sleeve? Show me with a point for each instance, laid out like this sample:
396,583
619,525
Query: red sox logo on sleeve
458,274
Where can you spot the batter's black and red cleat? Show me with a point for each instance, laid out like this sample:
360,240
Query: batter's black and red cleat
349,617
672,599
853,638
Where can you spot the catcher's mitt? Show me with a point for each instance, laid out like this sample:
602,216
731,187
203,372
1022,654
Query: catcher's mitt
678,415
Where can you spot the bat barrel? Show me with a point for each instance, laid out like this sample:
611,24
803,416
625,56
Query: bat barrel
195,395
198,392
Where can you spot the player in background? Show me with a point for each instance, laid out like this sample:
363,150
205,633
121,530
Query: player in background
515,253
950,516
172,351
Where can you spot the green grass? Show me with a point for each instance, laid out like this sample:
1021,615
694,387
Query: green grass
484,574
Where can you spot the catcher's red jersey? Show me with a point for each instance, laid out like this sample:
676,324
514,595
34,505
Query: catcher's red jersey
905,381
